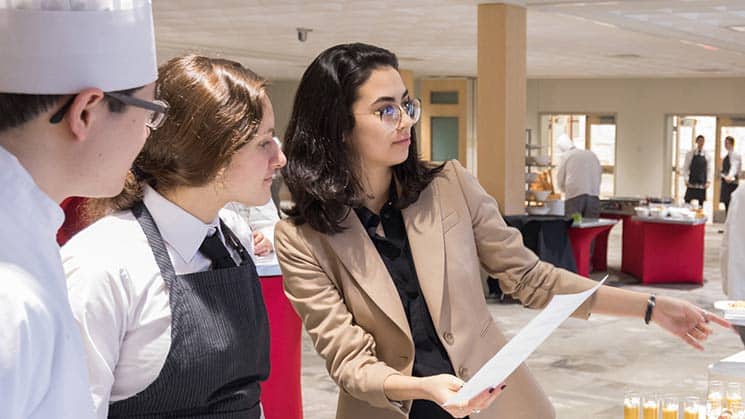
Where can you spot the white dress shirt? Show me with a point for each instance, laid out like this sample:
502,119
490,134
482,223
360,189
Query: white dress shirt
689,159
579,173
732,256
119,298
735,164
42,362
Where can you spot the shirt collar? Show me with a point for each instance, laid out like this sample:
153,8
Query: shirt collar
369,219
183,231
15,175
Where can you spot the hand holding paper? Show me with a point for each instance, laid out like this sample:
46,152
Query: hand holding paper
517,350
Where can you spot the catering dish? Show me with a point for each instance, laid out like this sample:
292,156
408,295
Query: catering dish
730,305
535,210
555,206
542,160
642,211
541,195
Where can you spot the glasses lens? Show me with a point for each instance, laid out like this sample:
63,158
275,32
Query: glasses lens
390,115
413,109
157,117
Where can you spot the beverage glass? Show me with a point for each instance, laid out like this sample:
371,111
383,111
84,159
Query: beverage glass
651,407
714,399
691,408
734,397
631,405
670,407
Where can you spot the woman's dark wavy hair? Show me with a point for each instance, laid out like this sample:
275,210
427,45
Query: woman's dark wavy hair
321,168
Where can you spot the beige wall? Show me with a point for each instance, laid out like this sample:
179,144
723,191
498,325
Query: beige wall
282,93
643,157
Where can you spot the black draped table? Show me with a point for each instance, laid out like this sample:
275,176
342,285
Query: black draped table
547,236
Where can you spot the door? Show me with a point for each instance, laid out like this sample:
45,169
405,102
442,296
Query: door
733,127
685,130
444,120
601,139
594,132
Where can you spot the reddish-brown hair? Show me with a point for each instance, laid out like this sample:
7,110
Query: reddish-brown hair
215,109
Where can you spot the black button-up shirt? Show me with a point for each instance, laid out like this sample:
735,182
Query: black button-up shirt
430,357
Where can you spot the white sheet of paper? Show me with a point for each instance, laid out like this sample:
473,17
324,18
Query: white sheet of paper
517,350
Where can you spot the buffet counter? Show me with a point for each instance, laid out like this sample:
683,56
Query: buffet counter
583,235
663,249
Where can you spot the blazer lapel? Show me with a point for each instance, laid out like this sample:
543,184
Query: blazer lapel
362,260
424,230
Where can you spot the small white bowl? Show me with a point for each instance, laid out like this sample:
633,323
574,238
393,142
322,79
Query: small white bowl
541,195
555,206
542,160
657,212
642,211
531,177
543,210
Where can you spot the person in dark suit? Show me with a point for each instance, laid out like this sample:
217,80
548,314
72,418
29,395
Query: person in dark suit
731,166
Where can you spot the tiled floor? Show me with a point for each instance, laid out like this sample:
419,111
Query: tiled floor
586,365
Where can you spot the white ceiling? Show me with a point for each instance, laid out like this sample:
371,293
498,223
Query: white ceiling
566,39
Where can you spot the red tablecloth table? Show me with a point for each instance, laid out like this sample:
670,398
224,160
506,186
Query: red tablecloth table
664,250
73,219
281,394
582,235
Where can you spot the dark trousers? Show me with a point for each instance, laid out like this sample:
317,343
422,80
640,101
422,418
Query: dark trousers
586,205
695,193
726,192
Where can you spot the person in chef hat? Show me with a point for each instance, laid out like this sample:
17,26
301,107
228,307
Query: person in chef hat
76,105
578,176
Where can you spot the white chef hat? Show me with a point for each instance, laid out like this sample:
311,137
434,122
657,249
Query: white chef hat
65,46
564,143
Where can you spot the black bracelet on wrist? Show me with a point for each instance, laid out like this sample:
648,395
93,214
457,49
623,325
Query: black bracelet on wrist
650,306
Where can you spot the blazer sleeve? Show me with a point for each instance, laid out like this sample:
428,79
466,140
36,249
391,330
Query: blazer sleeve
349,351
503,255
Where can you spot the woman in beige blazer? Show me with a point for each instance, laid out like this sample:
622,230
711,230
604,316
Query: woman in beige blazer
382,253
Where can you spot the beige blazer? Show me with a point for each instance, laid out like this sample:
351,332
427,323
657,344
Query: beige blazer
350,307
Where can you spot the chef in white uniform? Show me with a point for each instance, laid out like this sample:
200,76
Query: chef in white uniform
579,175
733,248
61,134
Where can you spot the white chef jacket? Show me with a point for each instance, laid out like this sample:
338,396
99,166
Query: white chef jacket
119,298
689,159
42,362
579,173
262,219
733,248
735,164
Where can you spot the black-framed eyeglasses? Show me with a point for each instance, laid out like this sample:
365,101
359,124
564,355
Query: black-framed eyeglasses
158,109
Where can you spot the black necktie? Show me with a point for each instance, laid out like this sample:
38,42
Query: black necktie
213,248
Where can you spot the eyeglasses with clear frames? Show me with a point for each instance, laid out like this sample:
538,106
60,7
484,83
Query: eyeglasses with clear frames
392,114
158,109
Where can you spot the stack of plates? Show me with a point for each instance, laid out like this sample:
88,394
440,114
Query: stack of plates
734,310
